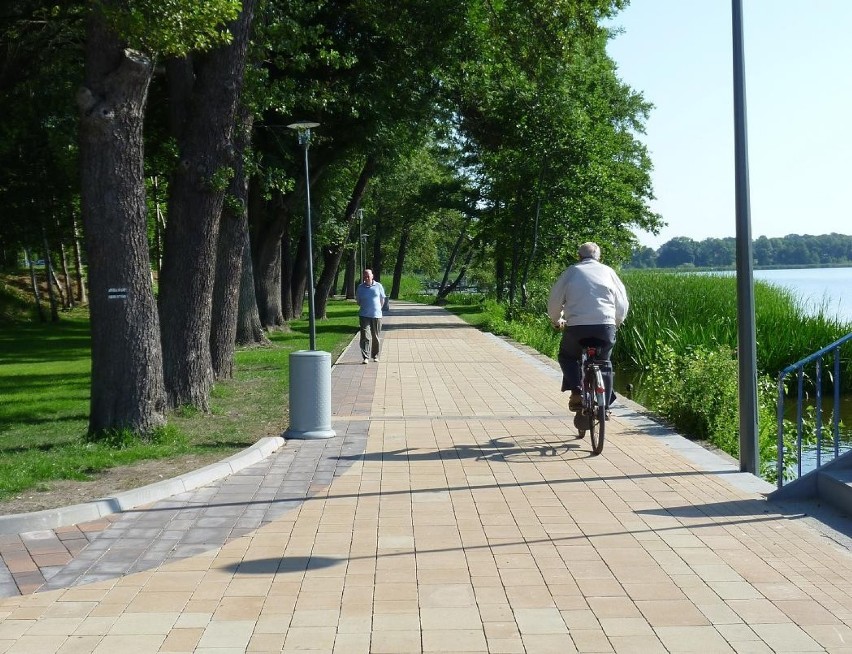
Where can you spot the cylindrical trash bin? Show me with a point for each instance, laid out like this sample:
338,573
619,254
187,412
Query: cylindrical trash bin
310,395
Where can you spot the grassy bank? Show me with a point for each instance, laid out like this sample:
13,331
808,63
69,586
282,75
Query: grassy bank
44,383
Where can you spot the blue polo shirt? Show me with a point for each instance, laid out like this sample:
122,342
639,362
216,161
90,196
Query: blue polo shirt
370,299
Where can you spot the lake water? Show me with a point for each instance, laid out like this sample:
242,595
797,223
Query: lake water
829,288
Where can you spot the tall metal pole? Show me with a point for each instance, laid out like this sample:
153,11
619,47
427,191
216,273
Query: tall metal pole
746,332
305,138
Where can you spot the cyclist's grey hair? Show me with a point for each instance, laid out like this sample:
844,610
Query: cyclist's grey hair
589,251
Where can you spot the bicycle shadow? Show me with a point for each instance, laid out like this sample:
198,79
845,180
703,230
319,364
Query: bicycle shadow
495,449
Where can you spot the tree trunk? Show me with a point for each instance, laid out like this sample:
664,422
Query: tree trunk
298,278
195,206
34,282
229,259
349,277
158,226
450,263
400,260
444,292
377,250
249,329
49,278
500,278
266,258
78,263
69,287
335,252
127,374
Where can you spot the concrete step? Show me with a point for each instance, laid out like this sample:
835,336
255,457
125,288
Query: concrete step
835,486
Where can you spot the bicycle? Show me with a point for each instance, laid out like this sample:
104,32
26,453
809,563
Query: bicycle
592,416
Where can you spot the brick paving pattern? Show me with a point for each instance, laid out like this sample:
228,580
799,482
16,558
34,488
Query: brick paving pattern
453,512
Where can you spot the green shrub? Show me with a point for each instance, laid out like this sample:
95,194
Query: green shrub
698,392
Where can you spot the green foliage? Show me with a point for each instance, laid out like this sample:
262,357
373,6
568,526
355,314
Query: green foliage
14,305
688,310
777,252
698,392
173,27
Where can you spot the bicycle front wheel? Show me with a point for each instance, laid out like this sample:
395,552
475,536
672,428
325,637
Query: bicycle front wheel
597,428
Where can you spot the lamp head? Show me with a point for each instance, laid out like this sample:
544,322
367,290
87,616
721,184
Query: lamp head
303,128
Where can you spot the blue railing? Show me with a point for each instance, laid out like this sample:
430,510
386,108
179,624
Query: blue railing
799,369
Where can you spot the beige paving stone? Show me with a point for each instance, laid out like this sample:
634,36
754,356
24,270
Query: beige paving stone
446,595
315,618
395,642
549,643
157,602
671,613
591,640
505,646
40,644
626,626
146,644
539,621
182,640
79,645
806,613
786,638
454,640
637,645
613,607
95,626
450,618
54,626
692,639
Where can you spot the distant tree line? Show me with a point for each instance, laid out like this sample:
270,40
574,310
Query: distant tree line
790,250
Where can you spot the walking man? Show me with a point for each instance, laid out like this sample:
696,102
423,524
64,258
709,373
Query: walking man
370,296
588,302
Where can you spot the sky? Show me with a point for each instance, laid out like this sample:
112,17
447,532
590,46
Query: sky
798,90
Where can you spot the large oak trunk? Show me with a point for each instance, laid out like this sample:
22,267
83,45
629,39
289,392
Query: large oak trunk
266,257
127,373
195,207
229,260
249,329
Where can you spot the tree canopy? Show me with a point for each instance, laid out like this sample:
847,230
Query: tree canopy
467,137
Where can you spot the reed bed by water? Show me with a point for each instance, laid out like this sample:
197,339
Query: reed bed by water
700,310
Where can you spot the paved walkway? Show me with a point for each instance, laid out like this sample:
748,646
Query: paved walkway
453,512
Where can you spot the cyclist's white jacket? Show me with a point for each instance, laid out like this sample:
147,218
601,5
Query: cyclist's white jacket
588,293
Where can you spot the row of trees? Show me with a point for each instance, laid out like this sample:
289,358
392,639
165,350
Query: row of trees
456,136
790,250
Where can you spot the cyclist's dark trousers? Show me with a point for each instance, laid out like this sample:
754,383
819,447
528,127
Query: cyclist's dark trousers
571,351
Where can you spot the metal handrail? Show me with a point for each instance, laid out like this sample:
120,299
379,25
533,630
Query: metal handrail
798,368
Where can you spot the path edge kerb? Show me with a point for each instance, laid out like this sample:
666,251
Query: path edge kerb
65,516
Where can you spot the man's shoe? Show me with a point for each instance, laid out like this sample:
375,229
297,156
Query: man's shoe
376,359
575,403
365,360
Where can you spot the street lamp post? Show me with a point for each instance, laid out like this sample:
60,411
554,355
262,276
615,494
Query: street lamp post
303,129
310,370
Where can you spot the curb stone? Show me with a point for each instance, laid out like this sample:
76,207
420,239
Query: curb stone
96,509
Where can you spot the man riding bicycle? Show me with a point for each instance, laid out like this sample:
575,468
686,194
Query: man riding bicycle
587,302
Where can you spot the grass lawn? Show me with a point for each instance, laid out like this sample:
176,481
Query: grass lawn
44,401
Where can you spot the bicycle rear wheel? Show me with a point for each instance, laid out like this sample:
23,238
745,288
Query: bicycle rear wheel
597,428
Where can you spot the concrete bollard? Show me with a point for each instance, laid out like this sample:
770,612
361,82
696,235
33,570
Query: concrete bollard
310,395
